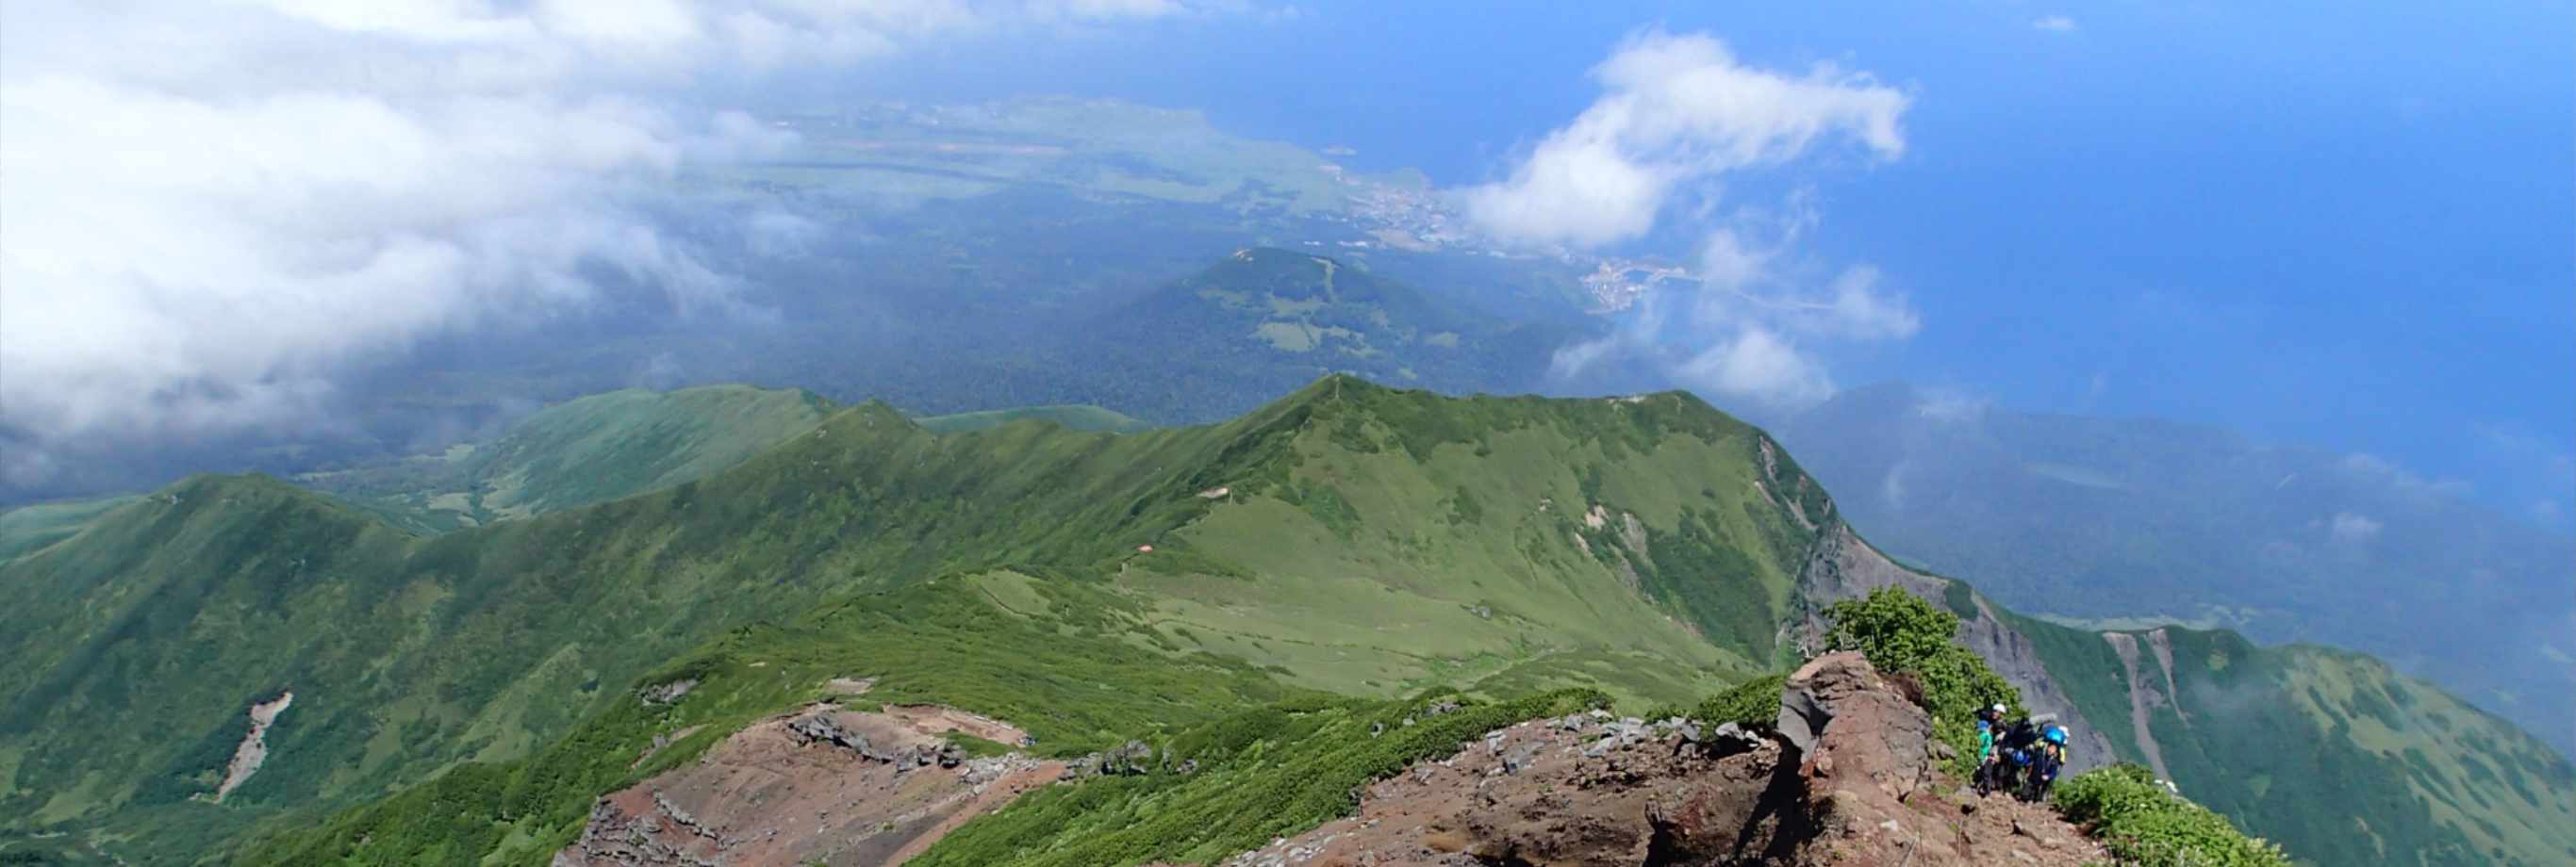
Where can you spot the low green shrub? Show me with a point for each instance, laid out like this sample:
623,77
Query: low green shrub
2145,824
1753,704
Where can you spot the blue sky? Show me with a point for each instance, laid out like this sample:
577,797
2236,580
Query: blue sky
2343,224
2348,225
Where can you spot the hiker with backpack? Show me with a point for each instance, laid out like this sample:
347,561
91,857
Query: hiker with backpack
2012,756
2047,758
1990,723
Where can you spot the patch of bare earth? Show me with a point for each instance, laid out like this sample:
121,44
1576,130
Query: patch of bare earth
938,720
1591,790
2143,701
253,750
824,785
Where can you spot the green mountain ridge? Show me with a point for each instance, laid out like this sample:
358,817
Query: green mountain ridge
1349,539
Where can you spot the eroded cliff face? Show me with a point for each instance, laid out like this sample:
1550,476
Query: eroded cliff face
1592,790
1843,566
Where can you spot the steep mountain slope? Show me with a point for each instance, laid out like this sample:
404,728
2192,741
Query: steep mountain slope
2333,754
582,451
2109,519
2336,756
1347,540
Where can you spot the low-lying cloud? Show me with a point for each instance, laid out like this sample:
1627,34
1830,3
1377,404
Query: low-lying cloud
2353,529
213,209
1680,114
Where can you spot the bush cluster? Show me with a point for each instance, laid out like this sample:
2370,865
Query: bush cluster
1753,704
2145,824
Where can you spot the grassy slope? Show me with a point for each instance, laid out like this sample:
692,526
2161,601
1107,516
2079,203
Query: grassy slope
1417,540
1040,663
2332,754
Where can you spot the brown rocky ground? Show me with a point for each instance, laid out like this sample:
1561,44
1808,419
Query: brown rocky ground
1591,790
1850,778
824,785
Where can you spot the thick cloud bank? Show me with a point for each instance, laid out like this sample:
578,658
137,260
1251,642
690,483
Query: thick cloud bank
207,210
1678,115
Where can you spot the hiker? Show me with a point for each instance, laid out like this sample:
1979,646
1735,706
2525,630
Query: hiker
2047,757
2012,754
1989,724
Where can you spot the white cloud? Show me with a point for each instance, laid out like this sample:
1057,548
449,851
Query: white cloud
2055,24
1676,112
213,208
1754,363
1678,115
1860,311
1891,487
2353,529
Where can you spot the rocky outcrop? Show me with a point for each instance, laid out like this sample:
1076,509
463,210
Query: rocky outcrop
824,785
667,693
1842,566
1590,789
1134,757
